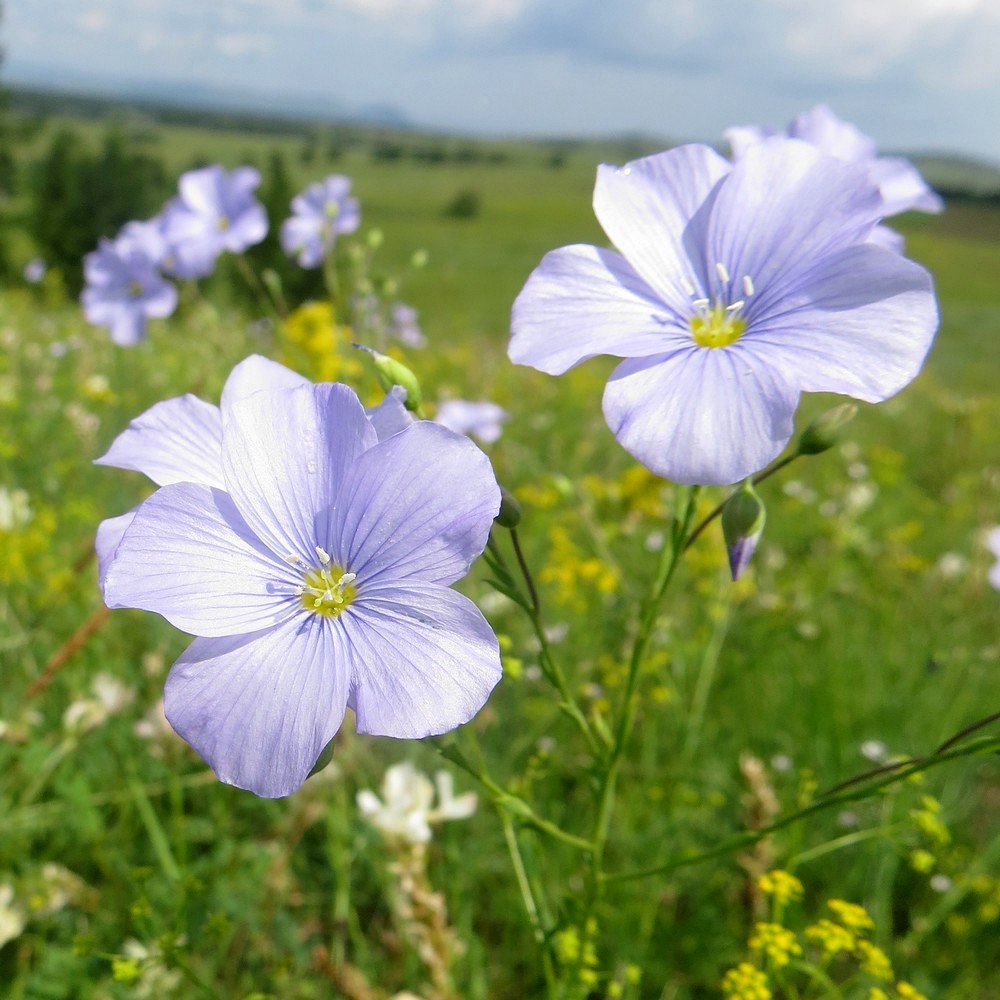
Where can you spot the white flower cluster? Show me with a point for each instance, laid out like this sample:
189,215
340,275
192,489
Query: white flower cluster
405,813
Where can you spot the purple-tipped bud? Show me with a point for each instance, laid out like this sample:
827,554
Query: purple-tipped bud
743,519
824,432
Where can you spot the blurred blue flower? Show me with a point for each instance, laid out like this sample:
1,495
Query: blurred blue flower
898,180
315,578
482,420
123,289
405,326
214,211
319,214
738,287
35,270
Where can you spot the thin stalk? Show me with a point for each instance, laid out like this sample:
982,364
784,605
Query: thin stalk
849,794
531,905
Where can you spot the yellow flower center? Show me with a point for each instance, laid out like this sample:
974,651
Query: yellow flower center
717,326
326,589
713,323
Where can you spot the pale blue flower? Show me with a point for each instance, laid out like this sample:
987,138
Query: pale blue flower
215,211
35,270
406,329
482,420
737,287
899,182
180,440
315,580
319,214
124,289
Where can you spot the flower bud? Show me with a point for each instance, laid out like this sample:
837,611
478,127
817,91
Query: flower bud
743,518
509,515
391,372
824,431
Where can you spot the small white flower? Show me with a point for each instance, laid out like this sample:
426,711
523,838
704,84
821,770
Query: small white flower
404,812
11,915
875,751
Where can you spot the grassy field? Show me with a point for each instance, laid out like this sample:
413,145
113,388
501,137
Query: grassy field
867,618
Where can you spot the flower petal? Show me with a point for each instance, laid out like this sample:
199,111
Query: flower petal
864,329
188,556
256,374
701,415
419,504
260,708
425,660
176,441
581,302
391,415
109,533
651,208
285,455
784,206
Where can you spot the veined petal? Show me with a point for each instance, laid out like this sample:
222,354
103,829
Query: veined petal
784,206
285,455
425,660
256,374
864,325
391,415
109,533
581,302
701,415
653,208
187,555
176,441
260,708
419,504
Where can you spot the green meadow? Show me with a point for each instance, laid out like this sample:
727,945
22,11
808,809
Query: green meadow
865,633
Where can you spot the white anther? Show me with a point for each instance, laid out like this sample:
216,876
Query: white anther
689,288
736,306
346,579
700,303
324,556
720,270
294,560
747,285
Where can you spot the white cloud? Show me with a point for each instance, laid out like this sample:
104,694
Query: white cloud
236,45
94,20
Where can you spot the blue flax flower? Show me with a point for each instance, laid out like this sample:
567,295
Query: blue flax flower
899,182
315,577
319,214
215,211
124,289
738,287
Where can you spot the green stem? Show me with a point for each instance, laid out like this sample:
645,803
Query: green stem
530,901
850,794
668,564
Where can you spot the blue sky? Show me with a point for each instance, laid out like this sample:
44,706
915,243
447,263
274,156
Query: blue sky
918,75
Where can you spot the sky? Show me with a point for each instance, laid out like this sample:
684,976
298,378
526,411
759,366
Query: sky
920,76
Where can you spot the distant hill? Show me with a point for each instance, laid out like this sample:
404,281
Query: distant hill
230,108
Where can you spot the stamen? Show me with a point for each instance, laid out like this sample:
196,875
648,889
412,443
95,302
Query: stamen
688,287
748,285
701,303
720,270
293,560
735,306
324,556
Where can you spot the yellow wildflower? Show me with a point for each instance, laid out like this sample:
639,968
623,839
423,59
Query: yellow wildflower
907,992
776,942
874,961
831,937
781,886
745,982
851,915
